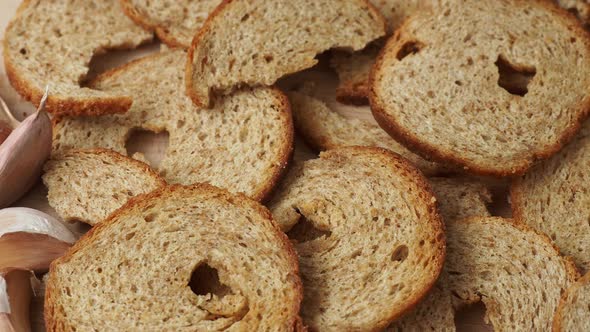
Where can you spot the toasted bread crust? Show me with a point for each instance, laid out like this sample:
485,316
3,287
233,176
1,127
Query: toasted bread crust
431,151
56,104
160,31
53,312
559,313
353,93
205,101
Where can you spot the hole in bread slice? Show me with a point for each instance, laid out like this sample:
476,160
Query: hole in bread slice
410,47
205,280
471,317
305,230
514,78
147,146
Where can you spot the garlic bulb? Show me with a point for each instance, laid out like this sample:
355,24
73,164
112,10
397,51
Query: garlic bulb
23,154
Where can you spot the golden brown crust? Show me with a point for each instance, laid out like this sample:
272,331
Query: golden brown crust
56,104
160,31
288,142
558,317
431,152
400,165
199,100
353,93
191,93
50,313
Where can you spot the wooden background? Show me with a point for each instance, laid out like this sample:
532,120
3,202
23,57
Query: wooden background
470,319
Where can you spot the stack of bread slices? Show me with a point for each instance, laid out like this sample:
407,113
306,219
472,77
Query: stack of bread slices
418,109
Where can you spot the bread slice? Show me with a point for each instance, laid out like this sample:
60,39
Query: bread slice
573,313
317,120
554,198
353,68
353,72
178,257
517,273
457,198
371,209
455,94
255,42
243,145
52,43
87,185
174,22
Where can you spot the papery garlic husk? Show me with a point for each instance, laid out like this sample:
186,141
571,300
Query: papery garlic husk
15,301
5,130
31,239
23,154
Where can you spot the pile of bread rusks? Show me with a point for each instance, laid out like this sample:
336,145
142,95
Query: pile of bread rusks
388,229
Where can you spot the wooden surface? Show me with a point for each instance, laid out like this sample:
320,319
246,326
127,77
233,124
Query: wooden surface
154,146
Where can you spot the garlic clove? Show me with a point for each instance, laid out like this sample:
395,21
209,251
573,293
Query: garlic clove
5,130
21,219
23,154
31,239
15,300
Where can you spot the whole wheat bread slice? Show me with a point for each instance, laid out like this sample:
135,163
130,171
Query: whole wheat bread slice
368,234
52,43
573,313
174,22
457,198
316,119
87,185
554,198
255,42
353,68
178,258
516,272
243,145
454,85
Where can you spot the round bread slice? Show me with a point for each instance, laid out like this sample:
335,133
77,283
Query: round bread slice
255,42
194,258
174,22
243,145
368,234
491,86
353,68
323,127
457,198
88,185
52,43
517,273
573,313
554,198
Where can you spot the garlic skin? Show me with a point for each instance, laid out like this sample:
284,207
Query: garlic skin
30,240
4,304
5,130
21,219
23,154
15,299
